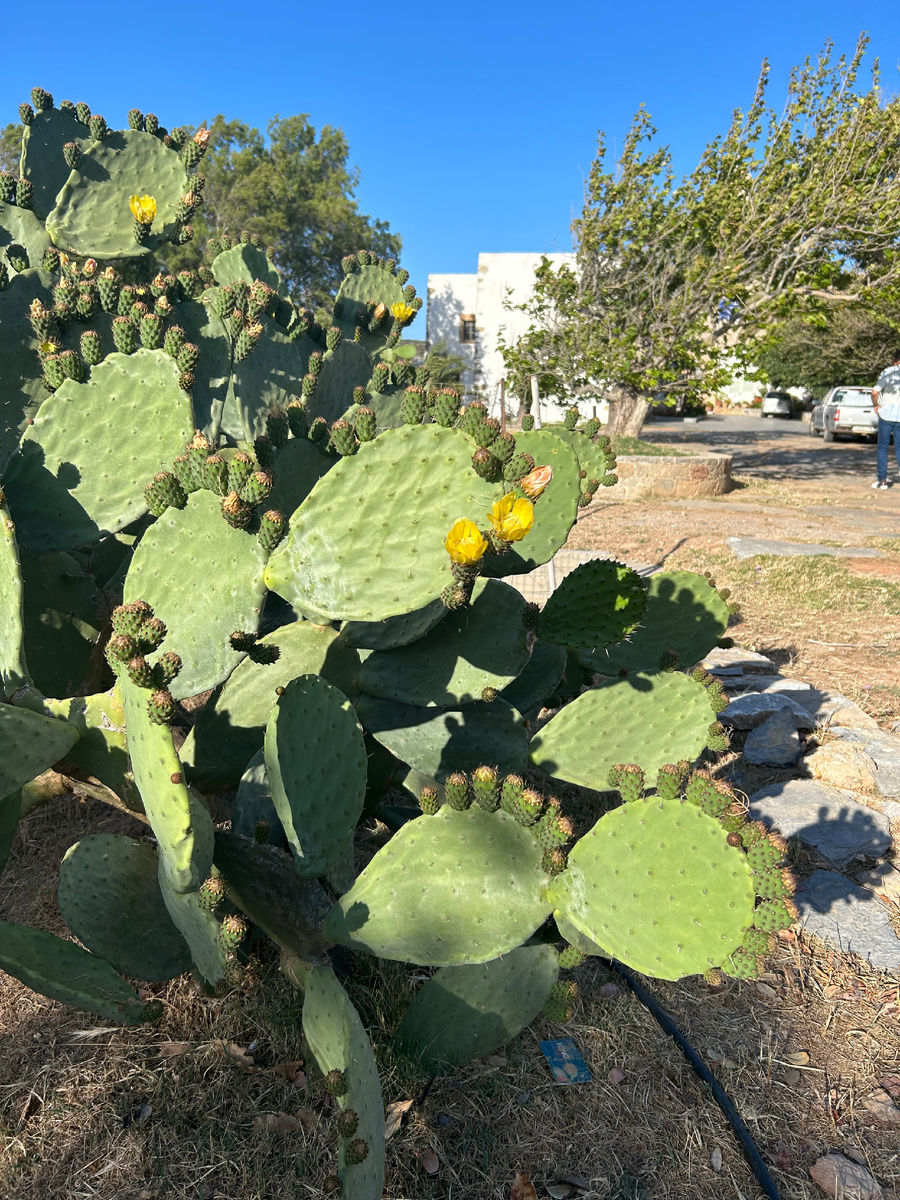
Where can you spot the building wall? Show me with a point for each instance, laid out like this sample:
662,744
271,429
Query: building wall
449,296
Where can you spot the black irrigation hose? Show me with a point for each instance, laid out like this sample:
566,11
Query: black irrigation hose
741,1132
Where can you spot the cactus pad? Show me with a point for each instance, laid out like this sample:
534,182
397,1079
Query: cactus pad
110,899
204,580
299,466
385,498
62,619
463,1013
23,389
267,377
651,718
656,883
83,465
395,631
479,873
198,926
316,765
538,679
101,749
43,163
253,803
29,744
597,603
244,263
13,668
481,645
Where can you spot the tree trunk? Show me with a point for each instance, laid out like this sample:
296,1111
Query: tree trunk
627,412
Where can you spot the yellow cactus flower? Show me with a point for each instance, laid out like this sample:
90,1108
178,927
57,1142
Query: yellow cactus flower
511,517
143,209
465,543
402,312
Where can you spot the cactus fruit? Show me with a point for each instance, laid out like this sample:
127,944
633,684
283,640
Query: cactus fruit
429,800
336,1083
570,958
356,1152
272,528
161,707
560,1004
486,788
232,932
456,791
347,1122
212,892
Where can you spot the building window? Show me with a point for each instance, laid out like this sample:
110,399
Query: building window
467,327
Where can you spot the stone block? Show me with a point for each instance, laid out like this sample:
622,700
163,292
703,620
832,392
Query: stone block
775,743
849,918
843,765
750,710
830,821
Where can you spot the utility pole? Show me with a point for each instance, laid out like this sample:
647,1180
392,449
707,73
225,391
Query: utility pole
536,413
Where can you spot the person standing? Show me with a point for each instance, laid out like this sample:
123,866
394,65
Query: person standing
886,399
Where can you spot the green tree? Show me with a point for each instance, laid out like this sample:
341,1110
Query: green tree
294,187
445,367
10,148
675,282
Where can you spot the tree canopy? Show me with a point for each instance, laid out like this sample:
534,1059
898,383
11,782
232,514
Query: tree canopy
675,282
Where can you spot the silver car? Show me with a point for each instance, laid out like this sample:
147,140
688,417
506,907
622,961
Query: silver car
777,404
844,412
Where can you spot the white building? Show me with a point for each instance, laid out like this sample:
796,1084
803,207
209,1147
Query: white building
469,313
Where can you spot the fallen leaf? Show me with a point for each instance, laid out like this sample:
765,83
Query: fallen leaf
173,1049
233,1052
430,1162
781,1157
715,1160
280,1122
292,1071
765,990
32,1105
393,1117
616,1075
891,1083
522,1187
308,1118
800,1058
496,1060
92,1033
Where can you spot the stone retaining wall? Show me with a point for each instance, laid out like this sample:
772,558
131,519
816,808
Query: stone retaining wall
671,475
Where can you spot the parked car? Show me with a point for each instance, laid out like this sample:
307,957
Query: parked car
844,412
777,404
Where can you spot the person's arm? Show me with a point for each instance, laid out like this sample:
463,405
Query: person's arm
876,392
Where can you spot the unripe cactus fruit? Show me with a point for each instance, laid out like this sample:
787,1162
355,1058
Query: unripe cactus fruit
161,707
365,424
486,465
129,619
527,423
511,793
529,807
429,800
560,1004
297,419
124,335
257,488
570,420
412,406
212,892
272,528
456,791
216,475
91,347
486,788
166,668
347,1122
344,439
553,861
122,647
356,1152
336,1083
277,427
446,408
140,672
331,1185
236,512
232,932
518,467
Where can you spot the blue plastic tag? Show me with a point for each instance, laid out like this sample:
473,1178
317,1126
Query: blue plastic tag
565,1061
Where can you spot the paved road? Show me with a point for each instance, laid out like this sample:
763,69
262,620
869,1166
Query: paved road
773,449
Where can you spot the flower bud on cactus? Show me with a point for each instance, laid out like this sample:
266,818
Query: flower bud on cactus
510,793
343,438
124,335
486,465
129,619
365,424
570,958
453,596
487,432
277,427
412,406
72,154
336,1083
140,672
347,1123
91,347
560,1004
272,528
518,467
161,707
456,791
527,423
152,634
232,932
26,114
429,800
257,488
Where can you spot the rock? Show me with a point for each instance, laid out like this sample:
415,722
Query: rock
844,1180
775,743
895,727
849,918
833,708
745,547
882,1108
883,749
843,765
734,661
746,712
832,822
882,879
762,683
891,809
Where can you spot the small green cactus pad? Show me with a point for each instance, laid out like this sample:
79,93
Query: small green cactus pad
62,625
21,227
358,288
13,668
384,497
299,466
43,163
182,829
395,631
199,928
29,744
339,1042
231,728
554,511
597,603
436,743
656,883
245,263
83,465
684,614
270,375
22,391
66,972
212,394
346,368
576,938
463,1013
316,765
479,872
652,718
540,676
110,899
481,645
92,216
591,457
102,746
253,803
204,580
262,881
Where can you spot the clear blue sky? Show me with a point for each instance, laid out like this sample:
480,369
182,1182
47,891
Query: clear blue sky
473,125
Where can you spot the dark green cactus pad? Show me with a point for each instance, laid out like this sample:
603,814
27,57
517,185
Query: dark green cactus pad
65,972
437,743
231,728
270,375
244,263
339,1042
396,631
316,765
199,928
463,1013
13,667
83,465
652,718
299,466
10,811
656,883
182,829
480,872
481,645
21,227
110,899
212,395
385,498
554,511
102,746
42,162
22,390
253,803
62,625
92,216
346,368
597,603
204,580
358,288
538,679
684,615
262,881
29,744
